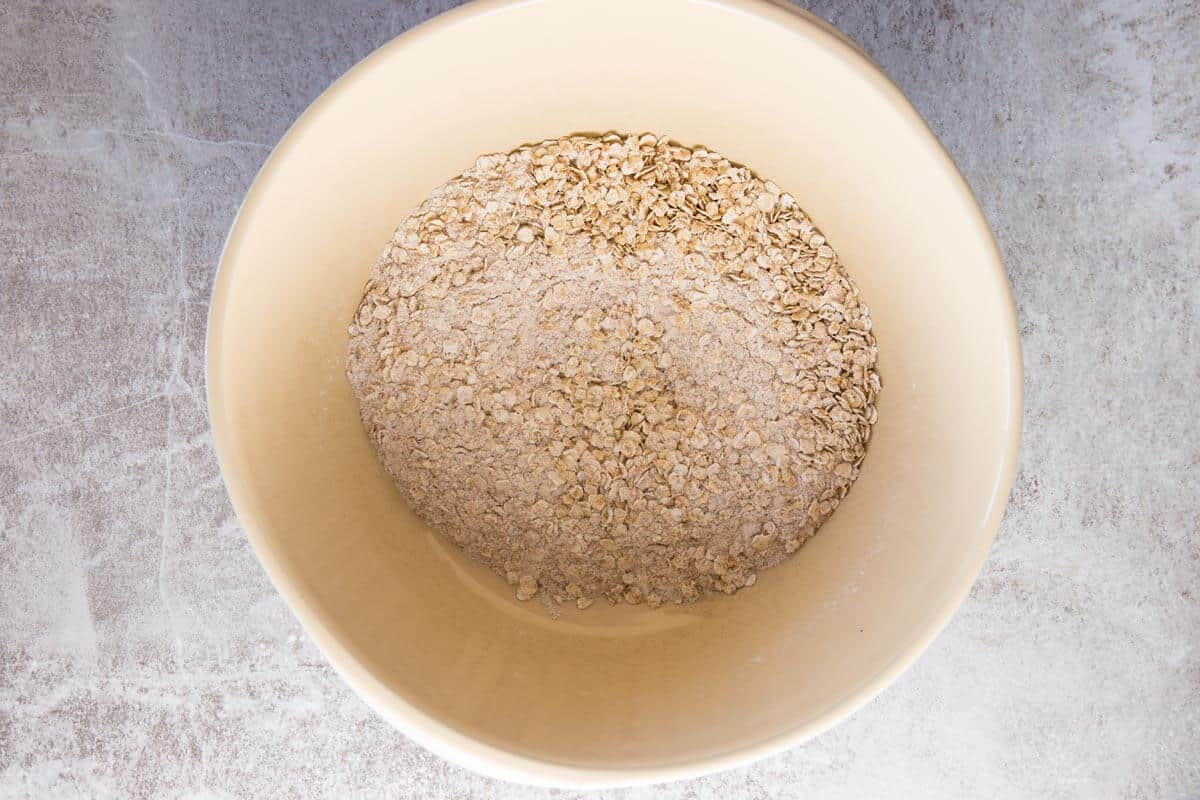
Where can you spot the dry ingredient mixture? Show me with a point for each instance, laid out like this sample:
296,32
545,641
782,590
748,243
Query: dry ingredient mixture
615,367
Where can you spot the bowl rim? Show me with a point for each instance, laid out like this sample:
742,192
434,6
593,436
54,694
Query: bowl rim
494,761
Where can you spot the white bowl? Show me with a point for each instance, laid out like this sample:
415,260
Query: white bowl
615,695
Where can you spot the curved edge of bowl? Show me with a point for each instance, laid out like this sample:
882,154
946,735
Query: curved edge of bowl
510,766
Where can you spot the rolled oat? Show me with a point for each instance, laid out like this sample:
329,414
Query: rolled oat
615,367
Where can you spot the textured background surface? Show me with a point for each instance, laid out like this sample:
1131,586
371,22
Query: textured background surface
142,650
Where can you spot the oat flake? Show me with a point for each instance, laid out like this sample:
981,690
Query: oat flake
615,367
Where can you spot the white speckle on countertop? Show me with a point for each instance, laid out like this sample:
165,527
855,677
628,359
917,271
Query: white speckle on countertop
143,653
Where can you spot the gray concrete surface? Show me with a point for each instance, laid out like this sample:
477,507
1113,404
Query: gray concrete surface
143,652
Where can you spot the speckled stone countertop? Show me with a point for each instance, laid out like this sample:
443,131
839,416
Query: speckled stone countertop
143,653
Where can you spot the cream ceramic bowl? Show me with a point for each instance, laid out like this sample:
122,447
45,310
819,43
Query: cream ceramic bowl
623,695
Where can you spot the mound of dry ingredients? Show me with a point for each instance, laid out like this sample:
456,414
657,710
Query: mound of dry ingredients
614,366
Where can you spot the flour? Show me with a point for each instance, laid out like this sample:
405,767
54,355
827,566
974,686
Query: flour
615,367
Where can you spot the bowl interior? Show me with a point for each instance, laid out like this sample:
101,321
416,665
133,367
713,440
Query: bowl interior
437,643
